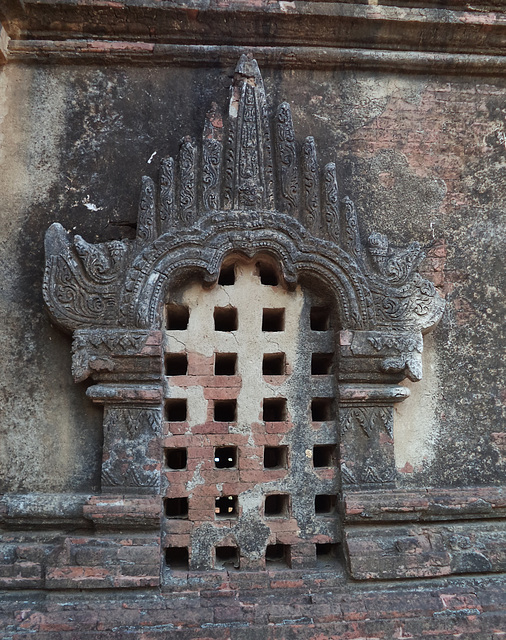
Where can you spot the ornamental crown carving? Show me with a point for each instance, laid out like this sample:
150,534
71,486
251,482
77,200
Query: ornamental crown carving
245,186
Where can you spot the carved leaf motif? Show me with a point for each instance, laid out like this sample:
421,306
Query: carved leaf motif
347,475
311,186
146,230
288,169
351,238
70,295
368,419
373,475
187,197
211,165
167,201
331,201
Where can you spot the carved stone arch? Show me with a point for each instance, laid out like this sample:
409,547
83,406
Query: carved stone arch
204,247
245,187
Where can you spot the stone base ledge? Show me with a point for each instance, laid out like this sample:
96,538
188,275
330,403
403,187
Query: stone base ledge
428,551
424,504
119,512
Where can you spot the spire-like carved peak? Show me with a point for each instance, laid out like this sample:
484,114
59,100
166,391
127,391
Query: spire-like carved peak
247,70
243,185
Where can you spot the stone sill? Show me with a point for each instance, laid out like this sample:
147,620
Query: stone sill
424,505
360,507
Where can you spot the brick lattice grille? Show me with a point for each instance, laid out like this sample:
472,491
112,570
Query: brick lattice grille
250,475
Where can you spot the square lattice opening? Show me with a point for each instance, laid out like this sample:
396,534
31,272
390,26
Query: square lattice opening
277,555
176,410
225,319
178,317
274,409
225,410
226,507
324,503
225,364
322,409
268,275
176,458
176,507
176,364
227,557
275,457
273,364
321,364
227,275
177,558
225,457
273,320
277,505
319,318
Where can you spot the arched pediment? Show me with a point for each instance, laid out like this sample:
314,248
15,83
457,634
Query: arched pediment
245,187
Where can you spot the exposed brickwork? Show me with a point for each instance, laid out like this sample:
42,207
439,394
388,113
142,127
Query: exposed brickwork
254,508
239,608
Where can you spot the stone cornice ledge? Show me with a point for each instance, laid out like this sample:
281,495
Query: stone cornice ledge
145,53
296,33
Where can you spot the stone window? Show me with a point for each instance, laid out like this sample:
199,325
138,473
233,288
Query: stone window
251,480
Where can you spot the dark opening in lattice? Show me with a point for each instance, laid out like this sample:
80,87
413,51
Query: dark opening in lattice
277,555
225,318
177,558
275,457
276,505
227,275
227,558
274,409
324,504
327,553
319,318
225,364
273,364
176,507
176,410
225,410
226,507
177,317
324,455
176,458
322,409
321,364
268,275
176,364
273,320
225,457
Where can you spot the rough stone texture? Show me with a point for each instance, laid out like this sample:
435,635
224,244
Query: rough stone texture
421,154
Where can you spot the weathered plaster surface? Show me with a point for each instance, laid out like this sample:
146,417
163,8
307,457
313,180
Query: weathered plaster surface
422,158
44,444
416,428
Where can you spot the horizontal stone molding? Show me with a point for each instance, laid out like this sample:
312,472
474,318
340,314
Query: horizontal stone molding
428,551
291,57
424,504
124,512
455,28
369,394
42,509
